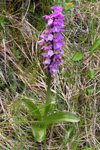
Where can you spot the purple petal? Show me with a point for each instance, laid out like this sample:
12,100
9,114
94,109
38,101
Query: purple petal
62,42
62,25
46,66
55,29
56,40
58,15
56,8
46,31
55,66
46,16
53,70
55,23
59,36
50,53
61,30
47,61
50,21
60,51
47,47
50,37
60,22
44,55
40,42
58,44
43,35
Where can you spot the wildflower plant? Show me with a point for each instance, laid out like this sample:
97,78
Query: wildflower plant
52,53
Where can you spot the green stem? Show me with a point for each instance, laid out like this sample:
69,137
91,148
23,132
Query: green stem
48,94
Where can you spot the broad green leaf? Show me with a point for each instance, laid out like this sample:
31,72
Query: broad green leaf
95,45
32,107
39,132
91,73
77,56
61,116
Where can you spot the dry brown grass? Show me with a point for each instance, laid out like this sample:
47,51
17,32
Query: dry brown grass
22,74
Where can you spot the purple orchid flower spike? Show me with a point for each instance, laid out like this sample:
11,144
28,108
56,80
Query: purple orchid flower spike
53,38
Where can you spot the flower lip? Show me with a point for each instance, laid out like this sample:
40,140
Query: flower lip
47,47
46,31
60,51
55,29
46,16
43,35
50,22
59,36
40,42
50,53
44,55
50,37
47,61
53,70
58,44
